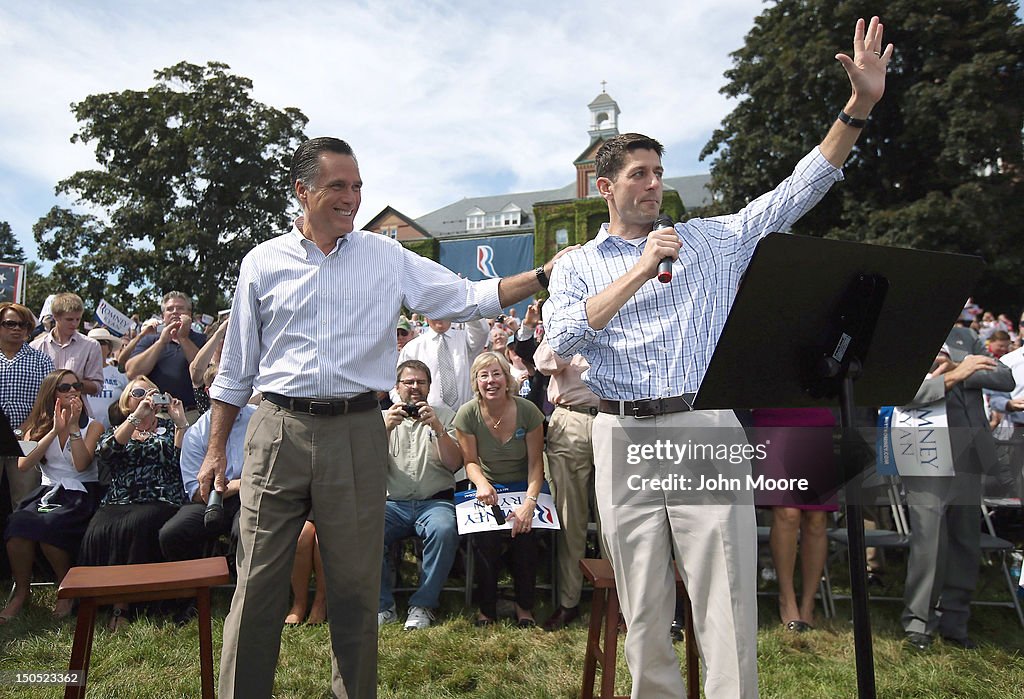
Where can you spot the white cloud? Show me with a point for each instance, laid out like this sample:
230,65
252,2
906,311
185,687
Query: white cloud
440,99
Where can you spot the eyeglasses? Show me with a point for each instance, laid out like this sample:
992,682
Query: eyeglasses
12,324
138,393
65,387
413,382
489,375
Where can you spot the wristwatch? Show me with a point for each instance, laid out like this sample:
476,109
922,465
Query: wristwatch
72,436
134,420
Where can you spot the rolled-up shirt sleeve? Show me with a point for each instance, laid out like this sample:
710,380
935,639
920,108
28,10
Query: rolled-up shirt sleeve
240,357
566,328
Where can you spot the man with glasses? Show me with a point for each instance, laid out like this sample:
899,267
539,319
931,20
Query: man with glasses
165,357
22,370
422,458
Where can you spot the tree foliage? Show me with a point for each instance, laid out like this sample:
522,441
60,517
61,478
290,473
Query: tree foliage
939,164
10,249
193,172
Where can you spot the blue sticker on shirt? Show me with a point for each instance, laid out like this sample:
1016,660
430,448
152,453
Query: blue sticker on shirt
519,434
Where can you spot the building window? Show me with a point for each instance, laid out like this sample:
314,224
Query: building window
561,238
592,185
475,221
510,218
391,232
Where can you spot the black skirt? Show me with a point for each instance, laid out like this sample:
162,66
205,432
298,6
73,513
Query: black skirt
63,526
125,534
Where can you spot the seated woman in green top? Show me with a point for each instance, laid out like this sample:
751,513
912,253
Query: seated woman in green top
502,439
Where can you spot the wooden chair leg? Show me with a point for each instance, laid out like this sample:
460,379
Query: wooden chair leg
692,661
593,644
205,642
611,644
81,647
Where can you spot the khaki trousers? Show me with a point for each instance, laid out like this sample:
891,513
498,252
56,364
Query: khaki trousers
570,454
334,466
714,542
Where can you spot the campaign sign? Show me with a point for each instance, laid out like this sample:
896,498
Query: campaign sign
474,517
914,441
115,320
12,282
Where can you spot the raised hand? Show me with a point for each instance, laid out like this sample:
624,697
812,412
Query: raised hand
867,67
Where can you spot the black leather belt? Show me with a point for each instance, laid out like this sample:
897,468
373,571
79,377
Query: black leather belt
317,406
585,409
649,407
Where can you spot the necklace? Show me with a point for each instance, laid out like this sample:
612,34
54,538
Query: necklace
495,423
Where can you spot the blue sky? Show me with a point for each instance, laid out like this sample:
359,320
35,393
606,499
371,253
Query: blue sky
440,100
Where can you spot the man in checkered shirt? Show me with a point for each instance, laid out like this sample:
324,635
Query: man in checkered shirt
22,369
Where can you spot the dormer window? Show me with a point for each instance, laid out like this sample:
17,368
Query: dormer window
475,219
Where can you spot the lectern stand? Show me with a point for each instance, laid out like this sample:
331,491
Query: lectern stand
812,319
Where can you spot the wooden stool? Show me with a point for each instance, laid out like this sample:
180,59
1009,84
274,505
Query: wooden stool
95,586
604,607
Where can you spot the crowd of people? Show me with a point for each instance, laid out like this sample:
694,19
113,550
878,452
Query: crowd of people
278,408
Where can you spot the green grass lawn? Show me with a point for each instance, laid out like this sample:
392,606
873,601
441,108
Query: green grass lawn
156,658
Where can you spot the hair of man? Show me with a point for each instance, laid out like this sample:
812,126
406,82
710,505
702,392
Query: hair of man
415,365
306,160
170,295
66,302
611,156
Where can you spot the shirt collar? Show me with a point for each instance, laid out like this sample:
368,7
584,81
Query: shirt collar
306,245
605,235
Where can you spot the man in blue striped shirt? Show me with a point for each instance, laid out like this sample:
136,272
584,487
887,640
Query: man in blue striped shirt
312,329
649,345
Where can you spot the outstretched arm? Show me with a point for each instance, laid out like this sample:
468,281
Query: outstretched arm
866,71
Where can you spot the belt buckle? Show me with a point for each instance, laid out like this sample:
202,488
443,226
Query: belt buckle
649,409
321,407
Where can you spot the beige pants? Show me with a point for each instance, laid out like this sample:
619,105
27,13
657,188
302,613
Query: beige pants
713,537
571,475
335,466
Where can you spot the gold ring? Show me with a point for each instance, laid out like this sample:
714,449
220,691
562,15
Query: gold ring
877,53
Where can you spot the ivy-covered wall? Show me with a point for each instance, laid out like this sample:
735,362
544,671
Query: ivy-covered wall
583,219
427,247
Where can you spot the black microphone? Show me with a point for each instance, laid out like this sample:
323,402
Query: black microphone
214,520
665,266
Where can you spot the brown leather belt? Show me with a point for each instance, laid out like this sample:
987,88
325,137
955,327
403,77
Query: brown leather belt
585,409
322,406
649,407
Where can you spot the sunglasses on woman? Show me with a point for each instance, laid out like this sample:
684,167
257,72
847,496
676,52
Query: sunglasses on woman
65,387
12,324
138,392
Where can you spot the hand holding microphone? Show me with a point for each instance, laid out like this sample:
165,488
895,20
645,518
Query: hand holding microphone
665,266
214,519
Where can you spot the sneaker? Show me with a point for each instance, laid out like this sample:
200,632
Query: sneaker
419,618
388,616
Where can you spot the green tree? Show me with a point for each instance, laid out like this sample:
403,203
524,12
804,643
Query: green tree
938,166
192,174
10,249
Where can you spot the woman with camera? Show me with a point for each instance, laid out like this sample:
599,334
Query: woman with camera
140,458
56,515
502,440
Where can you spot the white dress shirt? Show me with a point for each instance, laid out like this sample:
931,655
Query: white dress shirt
464,344
309,325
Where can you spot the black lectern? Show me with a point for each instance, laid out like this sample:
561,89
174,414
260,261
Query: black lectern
823,314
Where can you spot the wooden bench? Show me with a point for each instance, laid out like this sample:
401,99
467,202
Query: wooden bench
95,586
604,610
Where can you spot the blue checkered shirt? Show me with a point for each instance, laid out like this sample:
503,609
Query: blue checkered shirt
660,342
19,382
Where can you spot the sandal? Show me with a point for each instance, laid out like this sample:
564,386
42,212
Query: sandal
799,626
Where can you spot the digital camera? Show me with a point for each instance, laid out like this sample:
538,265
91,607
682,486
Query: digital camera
411,410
